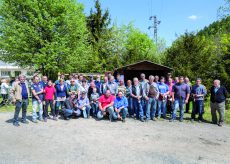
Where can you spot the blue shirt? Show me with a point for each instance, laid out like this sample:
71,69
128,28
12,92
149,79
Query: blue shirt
199,90
163,88
37,88
83,101
119,102
24,91
113,87
180,90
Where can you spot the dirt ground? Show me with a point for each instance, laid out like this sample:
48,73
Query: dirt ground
90,141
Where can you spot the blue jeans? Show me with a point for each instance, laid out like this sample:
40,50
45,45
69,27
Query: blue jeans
86,111
162,108
95,108
138,108
144,105
198,107
23,104
111,112
178,103
123,113
130,107
35,105
57,106
151,108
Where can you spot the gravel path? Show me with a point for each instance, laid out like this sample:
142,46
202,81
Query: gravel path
90,141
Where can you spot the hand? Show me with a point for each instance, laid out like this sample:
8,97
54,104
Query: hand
146,98
54,102
173,100
39,101
186,101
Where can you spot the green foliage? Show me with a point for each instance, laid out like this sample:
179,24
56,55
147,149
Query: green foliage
49,35
205,54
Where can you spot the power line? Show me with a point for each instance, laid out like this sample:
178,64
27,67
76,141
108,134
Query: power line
156,22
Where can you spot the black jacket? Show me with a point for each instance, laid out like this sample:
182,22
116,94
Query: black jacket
220,96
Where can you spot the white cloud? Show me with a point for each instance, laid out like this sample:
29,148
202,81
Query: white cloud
193,17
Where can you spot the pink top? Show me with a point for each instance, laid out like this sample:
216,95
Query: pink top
170,89
49,92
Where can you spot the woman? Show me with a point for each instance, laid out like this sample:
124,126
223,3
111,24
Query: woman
130,99
49,100
60,95
4,92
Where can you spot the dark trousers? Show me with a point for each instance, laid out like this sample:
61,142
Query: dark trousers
47,104
198,107
188,106
23,104
4,99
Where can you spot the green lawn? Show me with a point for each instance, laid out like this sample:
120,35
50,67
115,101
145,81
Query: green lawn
187,116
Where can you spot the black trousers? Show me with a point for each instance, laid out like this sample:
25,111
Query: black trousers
47,104
4,99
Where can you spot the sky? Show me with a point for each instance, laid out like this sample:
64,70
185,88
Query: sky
176,16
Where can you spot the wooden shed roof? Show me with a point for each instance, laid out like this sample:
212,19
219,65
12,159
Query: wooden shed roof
145,65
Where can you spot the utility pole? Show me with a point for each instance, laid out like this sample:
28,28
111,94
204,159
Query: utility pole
154,26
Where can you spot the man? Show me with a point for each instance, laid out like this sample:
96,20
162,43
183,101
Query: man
44,84
20,95
143,82
151,94
44,81
122,87
112,86
69,80
84,105
180,96
90,89
198,92
105,105
37,98
117,80
218,98
169,102
137,93
162,100
156,79
62,76
97,82
104,87
121,106
81,78
72,92
187,81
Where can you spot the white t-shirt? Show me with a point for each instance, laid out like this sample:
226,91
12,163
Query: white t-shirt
4,88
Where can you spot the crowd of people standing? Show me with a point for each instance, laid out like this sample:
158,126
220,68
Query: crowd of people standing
142,99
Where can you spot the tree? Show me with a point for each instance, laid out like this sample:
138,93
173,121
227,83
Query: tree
48,35
100,36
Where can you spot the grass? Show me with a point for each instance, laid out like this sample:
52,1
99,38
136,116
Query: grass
187,116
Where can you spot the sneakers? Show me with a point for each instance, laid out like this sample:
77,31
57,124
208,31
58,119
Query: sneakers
142,120
220,124
123,120
171,120
154,119
16,124
25,122
55,118
34,121
45,119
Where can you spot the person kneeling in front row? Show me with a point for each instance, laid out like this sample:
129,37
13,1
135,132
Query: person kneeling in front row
121,106
106,103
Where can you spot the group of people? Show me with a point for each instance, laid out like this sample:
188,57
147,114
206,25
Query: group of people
116,99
